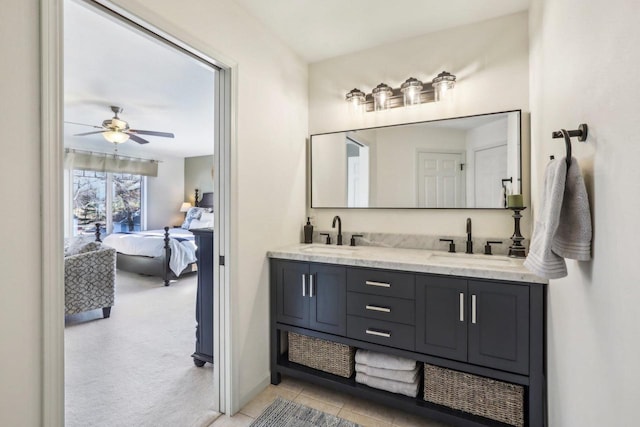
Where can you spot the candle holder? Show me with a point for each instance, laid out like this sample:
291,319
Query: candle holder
517,249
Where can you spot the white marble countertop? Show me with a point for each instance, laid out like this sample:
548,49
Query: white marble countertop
416,260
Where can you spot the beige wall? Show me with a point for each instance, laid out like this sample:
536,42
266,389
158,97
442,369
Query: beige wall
584,68
198,173
20,287
164,194
491,61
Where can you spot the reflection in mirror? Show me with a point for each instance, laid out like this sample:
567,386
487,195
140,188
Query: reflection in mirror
466,162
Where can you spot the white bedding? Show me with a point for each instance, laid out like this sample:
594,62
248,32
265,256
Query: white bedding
151,243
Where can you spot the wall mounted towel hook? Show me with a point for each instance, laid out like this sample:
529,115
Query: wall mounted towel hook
581,133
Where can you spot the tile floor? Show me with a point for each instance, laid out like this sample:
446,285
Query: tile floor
358,410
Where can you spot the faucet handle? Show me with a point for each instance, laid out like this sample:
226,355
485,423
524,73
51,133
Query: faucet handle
452,246
353,238
487,247
328,242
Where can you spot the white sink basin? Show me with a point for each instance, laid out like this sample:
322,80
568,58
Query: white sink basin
472,260
329,250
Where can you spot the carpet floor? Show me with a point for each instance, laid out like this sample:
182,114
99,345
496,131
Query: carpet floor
285,413
135,369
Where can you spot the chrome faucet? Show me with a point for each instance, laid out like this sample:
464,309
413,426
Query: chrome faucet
469,241
339,243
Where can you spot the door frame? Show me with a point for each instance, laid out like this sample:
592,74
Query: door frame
52,214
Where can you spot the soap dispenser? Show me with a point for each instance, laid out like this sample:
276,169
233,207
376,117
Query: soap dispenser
308,231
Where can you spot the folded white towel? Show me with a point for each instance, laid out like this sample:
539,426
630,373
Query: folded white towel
389,374
386,361
407,389
541,259
573,236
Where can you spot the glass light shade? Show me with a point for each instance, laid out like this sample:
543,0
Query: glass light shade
185,207
411,90
115,136
356,99
381,95
442,84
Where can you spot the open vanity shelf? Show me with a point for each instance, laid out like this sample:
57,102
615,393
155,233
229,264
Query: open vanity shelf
510,319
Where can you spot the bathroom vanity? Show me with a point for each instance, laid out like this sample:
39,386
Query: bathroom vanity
471,314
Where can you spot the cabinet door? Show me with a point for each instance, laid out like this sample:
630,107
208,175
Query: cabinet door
499,326
292,291
328,299
441,317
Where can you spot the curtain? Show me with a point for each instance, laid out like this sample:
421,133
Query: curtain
109,163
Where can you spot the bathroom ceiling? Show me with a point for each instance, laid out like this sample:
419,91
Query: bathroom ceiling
321,29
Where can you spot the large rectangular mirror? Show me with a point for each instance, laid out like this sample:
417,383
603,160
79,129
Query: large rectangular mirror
464,162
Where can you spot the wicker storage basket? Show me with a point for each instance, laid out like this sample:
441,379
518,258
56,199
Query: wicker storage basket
477,395
337,359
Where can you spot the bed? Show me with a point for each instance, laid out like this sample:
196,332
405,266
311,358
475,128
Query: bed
167,253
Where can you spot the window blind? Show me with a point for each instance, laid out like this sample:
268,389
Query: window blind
109,163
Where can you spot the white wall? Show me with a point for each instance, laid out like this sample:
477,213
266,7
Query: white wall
165,194
584,68
268,199
20,287
491,61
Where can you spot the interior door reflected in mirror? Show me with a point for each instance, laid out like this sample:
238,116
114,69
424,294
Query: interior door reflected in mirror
464,162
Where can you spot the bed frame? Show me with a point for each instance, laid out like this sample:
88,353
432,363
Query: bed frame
157,266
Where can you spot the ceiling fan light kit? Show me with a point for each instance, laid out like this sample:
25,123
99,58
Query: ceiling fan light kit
117,131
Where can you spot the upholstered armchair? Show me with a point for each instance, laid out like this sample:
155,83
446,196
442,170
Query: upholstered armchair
89,278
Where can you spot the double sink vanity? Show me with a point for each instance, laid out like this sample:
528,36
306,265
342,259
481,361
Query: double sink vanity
474,323
473,314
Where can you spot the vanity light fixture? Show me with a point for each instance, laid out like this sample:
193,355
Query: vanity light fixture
356,98
442,83
411,89
411,92
381,95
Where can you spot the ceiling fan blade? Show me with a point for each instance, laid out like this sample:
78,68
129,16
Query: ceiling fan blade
138,139
89,133
83,124
151,132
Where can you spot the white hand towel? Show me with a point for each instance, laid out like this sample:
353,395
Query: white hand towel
386,361
573,236
407,389
389,374
541,259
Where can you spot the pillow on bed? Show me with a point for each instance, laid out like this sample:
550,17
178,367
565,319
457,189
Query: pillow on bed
192,213
201,223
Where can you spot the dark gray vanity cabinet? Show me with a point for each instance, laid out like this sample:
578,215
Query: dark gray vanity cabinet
311,296
486,328
481,322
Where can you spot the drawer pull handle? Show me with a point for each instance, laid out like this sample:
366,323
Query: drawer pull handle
304,285
462,306
311,285
380,284
377,308
378,333
473,309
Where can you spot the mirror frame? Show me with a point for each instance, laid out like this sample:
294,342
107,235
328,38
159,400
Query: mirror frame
310,176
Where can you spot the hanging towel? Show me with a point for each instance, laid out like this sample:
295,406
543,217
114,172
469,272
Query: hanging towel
573,236
389,374
386,361
541,260
407,389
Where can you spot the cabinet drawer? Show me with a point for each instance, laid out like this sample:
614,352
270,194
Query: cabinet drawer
381,282
381,332
382,308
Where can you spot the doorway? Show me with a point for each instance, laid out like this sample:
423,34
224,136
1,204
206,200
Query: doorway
53,379
440,180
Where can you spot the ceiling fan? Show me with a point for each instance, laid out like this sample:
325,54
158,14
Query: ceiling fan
117,131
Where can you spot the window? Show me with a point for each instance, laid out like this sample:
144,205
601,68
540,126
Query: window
113,199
